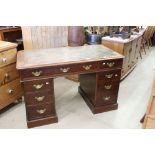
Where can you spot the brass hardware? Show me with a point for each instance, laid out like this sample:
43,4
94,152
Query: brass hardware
111,64
65,70
103,63
41,111
39,86
39,99
36,73
109,76
107,87
116,75
47,83
4,60
10,91
87,67
107,98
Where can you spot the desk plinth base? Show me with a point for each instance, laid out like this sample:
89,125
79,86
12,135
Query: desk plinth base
42,121
96,109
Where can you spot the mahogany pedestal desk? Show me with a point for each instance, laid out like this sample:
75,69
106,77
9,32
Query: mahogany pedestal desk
99,68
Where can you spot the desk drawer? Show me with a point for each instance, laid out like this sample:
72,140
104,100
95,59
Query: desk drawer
111,64
8,73
8,57
41,111
104,86
59,70
104,98
10,92
38,85
37,98
108,76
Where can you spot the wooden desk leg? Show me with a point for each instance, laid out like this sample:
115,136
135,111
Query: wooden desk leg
98,98
40,104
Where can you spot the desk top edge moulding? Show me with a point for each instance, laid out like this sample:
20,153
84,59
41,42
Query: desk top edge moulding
99,70
63,55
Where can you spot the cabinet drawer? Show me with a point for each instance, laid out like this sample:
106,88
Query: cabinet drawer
107,98
41,111
37,98
111,64
8,57
38,85
59,70
108,76
10,92
8,74
104,86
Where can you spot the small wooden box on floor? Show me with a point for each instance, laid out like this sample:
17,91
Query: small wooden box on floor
10,87
149,121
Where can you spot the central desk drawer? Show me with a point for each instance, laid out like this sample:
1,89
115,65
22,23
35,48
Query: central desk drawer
59,70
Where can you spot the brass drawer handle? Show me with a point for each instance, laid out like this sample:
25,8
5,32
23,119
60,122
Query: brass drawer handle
87,67
39,99
107,87
107,98
41,111
37,73
109,76
64,70
39,86
10,91
110,64
4,60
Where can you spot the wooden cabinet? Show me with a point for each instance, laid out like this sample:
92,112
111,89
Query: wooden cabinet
11,34
10,87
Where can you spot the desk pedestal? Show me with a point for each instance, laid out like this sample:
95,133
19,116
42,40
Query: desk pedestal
100,90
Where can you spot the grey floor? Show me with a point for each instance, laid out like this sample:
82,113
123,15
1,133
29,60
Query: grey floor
73,112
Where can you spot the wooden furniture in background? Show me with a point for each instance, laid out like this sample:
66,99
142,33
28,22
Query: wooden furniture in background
147,36
130,48
37,37
149,119
100,70
11,34
10,87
